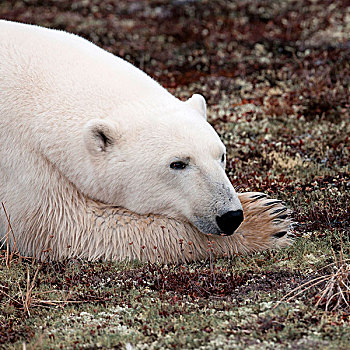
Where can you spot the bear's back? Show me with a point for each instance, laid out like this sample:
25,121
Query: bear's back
50,69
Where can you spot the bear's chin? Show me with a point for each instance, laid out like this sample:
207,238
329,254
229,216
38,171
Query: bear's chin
209,229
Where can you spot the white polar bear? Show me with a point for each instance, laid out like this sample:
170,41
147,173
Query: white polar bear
79,124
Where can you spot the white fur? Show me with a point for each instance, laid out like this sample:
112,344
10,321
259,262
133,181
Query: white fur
76,119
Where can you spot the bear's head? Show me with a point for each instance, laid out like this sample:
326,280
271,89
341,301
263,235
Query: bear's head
171,164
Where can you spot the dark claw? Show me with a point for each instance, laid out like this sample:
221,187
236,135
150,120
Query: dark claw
271,203
281,210
280,234
258,196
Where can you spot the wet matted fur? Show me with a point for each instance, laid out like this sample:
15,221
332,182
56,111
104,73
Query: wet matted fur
113,233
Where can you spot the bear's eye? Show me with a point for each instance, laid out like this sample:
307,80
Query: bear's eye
223,158
178,165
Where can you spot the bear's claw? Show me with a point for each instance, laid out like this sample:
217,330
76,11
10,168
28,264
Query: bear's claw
267,221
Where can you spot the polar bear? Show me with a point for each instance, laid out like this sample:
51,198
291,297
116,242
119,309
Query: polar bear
83,132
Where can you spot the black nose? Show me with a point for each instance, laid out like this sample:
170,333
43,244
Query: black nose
230,221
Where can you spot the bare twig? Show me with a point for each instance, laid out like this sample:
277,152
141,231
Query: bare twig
14,249
337,288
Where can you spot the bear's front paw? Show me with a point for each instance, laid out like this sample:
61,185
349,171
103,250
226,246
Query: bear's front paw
267,222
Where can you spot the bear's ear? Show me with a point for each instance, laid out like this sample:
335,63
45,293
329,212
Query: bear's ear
100,136
198,103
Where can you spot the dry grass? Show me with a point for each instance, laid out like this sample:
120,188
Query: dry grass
335,291
28,297
14,253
